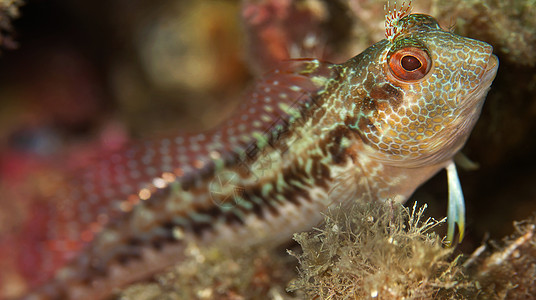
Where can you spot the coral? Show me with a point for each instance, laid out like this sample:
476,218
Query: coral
9,9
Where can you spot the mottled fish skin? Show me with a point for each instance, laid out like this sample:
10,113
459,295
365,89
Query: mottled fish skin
311,135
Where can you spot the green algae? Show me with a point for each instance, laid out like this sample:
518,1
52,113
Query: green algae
377,251
386,251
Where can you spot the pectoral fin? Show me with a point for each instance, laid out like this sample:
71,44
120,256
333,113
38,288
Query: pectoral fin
456,206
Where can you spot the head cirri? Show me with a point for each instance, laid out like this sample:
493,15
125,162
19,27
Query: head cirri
421,92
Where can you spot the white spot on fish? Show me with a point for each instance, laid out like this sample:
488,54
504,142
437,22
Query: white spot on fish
159,183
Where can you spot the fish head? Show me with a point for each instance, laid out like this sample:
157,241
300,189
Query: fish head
420,93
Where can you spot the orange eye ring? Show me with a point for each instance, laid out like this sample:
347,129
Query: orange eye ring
410,64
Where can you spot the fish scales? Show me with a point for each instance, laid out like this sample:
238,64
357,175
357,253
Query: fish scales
310,135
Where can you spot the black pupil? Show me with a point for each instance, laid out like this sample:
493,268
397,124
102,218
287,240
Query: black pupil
410,63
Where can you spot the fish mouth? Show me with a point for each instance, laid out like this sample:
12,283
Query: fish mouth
486,78
491,70
469,109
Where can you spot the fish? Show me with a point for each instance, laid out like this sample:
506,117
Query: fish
309,135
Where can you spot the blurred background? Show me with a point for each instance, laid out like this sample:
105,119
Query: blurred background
79,79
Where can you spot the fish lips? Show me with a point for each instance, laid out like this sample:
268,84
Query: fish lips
491,70
475,97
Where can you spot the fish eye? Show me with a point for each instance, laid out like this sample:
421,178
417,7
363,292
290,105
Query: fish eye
409,64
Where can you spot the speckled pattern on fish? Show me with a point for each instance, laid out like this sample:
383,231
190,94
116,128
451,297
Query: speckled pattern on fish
309,135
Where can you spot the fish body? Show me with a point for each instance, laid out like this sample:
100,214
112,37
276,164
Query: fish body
310,135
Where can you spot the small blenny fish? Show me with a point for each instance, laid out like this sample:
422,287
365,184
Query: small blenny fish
310,135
